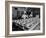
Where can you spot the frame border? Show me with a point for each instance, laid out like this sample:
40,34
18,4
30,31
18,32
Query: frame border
7,19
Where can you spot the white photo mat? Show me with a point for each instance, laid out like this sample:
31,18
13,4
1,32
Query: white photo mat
24,32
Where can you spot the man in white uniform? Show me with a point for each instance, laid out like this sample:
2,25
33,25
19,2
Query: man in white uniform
24,16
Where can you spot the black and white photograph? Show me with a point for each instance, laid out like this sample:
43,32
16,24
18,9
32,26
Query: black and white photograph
25,18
